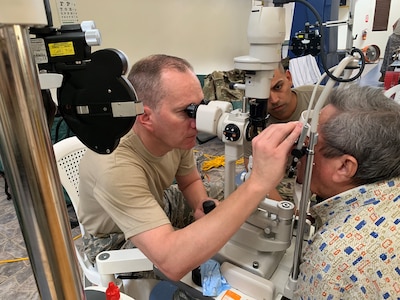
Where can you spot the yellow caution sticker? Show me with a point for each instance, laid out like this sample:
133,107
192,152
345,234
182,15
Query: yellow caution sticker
61,49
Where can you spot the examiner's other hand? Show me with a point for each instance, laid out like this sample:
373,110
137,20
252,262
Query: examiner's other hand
270,150
199,212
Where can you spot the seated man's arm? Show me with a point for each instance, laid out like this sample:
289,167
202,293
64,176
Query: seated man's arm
177,252
194,192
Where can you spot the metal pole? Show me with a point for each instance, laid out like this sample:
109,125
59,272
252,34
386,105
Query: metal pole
28,159
306,194
349,37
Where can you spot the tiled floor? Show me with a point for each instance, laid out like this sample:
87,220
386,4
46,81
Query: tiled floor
16,277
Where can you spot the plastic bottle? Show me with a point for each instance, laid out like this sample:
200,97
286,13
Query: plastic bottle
112,292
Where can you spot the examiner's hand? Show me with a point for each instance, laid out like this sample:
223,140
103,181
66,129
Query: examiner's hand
199,212
270,150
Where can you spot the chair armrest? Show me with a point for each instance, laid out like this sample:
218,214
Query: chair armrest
121,261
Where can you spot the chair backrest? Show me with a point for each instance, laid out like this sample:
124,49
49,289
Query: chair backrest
68,153
394,92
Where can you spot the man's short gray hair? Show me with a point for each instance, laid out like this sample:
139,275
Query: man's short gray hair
146,76
367,126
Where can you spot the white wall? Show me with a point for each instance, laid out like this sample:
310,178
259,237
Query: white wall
208,33
363,19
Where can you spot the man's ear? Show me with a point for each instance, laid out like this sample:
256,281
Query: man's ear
146,119
346,168
289,76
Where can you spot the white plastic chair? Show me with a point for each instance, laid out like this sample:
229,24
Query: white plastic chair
394,92
68,153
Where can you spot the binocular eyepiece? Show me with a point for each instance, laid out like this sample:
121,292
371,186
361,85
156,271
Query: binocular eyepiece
191,110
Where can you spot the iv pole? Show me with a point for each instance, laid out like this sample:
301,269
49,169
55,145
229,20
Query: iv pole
28,158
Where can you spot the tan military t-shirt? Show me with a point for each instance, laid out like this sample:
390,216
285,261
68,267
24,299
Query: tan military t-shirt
123,191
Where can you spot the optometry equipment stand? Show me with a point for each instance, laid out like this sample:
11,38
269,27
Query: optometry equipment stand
258,247
263,245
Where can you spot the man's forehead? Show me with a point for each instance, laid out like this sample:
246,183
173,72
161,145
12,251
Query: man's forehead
326,112
179,100
278,76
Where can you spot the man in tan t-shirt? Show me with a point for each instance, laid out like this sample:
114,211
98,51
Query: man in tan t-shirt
122,192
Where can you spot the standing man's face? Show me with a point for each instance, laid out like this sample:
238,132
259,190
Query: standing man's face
282,102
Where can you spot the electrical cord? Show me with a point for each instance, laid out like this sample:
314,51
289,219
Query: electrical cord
5,261
212,161
216,162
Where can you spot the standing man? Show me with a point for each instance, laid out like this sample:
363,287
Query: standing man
392,44
122,193
354,253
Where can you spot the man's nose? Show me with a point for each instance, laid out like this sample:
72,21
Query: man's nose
193,123
273,98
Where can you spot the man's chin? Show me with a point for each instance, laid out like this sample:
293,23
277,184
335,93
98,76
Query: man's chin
188,145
